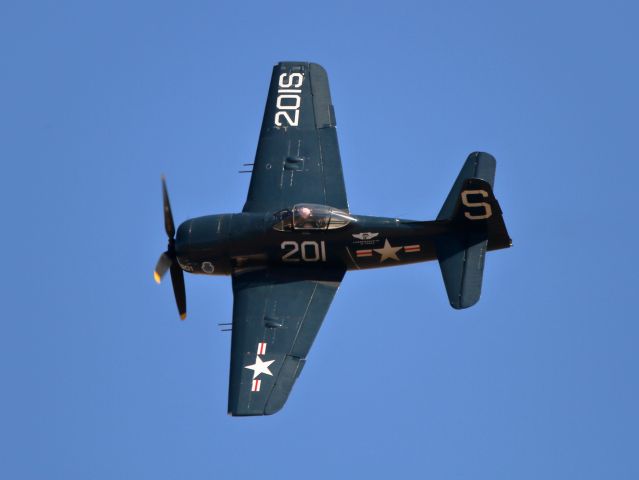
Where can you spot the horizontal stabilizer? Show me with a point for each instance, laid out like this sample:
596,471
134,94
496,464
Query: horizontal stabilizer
476,226
462,266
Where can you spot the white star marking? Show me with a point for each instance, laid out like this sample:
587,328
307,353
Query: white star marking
388,251
260,367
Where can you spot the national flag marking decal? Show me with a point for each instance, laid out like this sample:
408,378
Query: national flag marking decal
260,367
388,252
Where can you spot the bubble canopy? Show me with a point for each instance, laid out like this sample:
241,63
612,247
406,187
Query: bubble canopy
309,216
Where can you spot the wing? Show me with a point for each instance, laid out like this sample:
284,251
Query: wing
297,159
276,316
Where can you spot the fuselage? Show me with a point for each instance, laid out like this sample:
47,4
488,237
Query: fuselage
228,243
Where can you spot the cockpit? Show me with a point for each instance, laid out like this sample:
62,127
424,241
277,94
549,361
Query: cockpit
308,216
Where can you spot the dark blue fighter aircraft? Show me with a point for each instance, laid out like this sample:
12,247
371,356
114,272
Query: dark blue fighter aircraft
289,249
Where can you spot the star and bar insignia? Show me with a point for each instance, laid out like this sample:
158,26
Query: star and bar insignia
259,367
388,252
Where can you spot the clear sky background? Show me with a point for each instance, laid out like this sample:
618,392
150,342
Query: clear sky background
100,380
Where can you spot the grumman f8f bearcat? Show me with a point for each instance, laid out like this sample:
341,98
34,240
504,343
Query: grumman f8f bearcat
289,249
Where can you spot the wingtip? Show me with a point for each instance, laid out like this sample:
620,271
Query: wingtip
157,278
183,316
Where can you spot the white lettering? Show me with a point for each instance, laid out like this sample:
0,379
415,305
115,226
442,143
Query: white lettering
486,206
310,251
289,99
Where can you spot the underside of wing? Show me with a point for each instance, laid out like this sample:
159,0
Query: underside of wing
297,159
276,316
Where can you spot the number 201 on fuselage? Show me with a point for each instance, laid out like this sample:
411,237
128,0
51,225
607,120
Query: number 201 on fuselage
309,251
289,100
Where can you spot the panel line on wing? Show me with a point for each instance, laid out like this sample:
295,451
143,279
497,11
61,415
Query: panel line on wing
301,324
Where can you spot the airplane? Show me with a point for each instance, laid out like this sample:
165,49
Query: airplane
290,247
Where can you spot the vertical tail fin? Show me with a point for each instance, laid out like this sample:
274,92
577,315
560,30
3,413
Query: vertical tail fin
477,226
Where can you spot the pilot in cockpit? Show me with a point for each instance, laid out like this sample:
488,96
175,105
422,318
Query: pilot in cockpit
311,217
305,218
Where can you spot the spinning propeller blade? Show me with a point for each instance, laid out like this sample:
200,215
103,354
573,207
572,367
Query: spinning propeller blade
164,262
177,278
168,260
169,227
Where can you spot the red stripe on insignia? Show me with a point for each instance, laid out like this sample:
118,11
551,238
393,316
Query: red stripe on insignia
261,348
364,253
255,387
412,248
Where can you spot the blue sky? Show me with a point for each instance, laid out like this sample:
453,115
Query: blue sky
102,381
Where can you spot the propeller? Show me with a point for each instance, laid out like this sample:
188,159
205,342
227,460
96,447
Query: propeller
168,260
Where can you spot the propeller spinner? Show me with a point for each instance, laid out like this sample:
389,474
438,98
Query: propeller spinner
168,260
